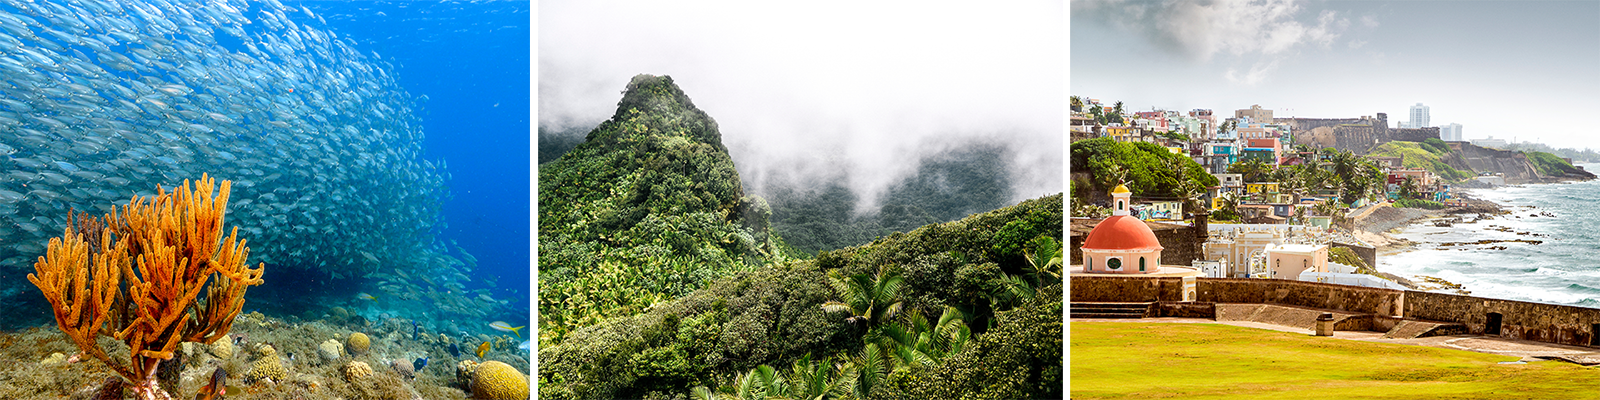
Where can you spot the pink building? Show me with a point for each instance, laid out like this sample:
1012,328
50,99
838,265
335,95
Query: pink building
1288,261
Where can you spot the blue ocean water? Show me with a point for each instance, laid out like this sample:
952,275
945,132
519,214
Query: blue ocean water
471,60
375,147
1563,268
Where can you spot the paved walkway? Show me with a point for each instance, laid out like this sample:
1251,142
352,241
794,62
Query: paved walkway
1526,349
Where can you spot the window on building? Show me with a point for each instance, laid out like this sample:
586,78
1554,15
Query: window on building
1088,264
1141,264
1114,263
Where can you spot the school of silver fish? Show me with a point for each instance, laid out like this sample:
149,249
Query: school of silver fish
101,100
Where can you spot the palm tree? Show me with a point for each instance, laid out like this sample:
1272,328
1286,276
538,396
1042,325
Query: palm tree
1408,188
870,299
746,386
1229,207
1251,168
913,340
1294,184
820,379
871,370
1116,174
1009,292
1046,261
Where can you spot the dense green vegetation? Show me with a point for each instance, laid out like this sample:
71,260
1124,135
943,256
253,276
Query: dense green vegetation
1344,255
1353,177
965,309
1423,156
1163,360
818,216
1419,203
1551,165
659,278
1577,156
648,208
1150,171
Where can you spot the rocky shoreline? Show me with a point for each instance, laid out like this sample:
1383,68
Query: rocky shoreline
1377,227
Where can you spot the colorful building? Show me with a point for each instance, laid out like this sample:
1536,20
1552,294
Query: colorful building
1288,261
1121,244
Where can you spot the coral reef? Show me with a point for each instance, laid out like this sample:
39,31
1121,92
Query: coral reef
498,381
222,349
404,368
144,281
330,350
359,342
268,366
306,376
464,371
356,370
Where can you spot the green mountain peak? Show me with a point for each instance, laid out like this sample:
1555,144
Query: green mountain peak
651,199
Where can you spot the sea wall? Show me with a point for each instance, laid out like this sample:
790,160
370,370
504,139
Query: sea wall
1296,293
1550,323
1239,290
1125,289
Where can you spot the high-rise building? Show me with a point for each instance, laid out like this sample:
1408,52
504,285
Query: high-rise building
1419,116
1450,133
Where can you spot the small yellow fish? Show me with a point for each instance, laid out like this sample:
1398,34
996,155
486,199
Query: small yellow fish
483,348
365,296
505,327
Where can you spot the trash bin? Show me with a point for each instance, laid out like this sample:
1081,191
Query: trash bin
1325,324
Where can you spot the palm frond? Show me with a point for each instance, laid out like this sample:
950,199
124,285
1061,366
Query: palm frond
702,393
834,306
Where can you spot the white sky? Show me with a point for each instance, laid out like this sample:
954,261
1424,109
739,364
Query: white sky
1528,70
818,86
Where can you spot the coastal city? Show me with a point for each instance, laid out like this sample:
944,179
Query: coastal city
1211,236
1234,196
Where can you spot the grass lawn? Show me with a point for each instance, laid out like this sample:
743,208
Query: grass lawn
1165,360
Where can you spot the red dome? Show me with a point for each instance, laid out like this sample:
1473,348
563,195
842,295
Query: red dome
1122,232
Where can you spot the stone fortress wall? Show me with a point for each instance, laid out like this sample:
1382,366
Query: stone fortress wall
1357,135
1378,309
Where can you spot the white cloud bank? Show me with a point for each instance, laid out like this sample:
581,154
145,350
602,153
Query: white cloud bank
826,87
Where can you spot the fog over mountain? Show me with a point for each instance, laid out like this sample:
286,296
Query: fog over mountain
825,91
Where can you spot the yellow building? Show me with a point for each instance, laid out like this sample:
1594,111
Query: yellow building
1262,187
1123,134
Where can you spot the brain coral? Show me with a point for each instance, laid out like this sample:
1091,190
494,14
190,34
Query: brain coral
356,370
359,343
496,380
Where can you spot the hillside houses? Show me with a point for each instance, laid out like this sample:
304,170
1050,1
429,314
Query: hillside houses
1266,144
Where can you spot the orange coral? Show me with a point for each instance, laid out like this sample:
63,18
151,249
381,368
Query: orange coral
145,281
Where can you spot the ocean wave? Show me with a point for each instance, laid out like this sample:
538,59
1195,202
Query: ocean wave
1583,288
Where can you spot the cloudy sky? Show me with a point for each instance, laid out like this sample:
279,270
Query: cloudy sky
1523,70
821,86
